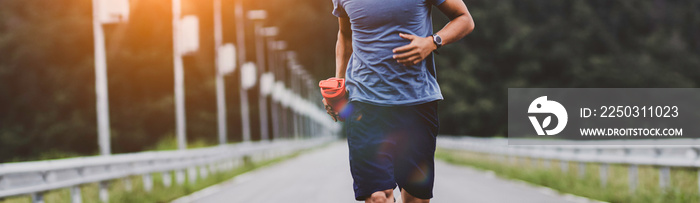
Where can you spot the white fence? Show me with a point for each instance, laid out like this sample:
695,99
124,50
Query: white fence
35,178
601,152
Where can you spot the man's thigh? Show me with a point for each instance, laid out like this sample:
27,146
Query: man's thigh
371,152
390,145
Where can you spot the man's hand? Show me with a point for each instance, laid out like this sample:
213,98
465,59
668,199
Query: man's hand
416,51
329,110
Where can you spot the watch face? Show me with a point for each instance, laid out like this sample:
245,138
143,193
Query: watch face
438,39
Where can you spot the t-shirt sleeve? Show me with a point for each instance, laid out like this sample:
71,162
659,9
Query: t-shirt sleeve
339,11
434,2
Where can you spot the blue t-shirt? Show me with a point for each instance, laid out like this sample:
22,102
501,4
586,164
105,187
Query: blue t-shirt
373,76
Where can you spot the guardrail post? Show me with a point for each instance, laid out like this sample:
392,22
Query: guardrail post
147,182
581,170
104,191
527,161
632,174
603,174
127,184
234,163
192,174
664,177
38,197
75,195
204,171
696,152
564,165
664,172
180,177
698,180
225,166
167,179
511,159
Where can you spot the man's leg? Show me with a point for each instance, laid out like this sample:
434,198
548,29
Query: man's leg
414,166
408,198
371,153
385,196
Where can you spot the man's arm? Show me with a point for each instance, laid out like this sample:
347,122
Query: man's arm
343,47
461,24
343,51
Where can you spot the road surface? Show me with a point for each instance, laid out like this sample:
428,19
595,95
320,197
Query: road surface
323,175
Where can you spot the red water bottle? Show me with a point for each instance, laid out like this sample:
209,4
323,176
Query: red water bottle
333,90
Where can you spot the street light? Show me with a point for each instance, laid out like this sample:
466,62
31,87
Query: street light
185,41
293,69
269,33
257,16
278,47
240,38
225,64
103,12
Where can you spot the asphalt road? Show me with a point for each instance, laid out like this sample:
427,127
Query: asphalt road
323,175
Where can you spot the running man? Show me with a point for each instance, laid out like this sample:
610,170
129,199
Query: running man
384,52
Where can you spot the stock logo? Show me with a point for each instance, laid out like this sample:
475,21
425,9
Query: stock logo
542,106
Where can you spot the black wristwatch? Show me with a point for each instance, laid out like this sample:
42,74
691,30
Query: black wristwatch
437,40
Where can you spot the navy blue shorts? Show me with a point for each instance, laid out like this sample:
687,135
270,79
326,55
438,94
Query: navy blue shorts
392,146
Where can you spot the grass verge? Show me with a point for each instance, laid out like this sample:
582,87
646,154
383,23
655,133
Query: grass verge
586,180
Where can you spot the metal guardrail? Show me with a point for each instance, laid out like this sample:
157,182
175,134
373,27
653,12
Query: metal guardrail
585,152
35,178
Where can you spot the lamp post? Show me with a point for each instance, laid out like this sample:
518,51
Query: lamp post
220,93
293,67
279,115
280,46
269,33
240,38
104,12
179,80
185,40
101,82
225,64
305,94
258,16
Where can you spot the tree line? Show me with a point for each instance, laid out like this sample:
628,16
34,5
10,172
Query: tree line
47,94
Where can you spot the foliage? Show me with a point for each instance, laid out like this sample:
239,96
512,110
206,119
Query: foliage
563,44
47,99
